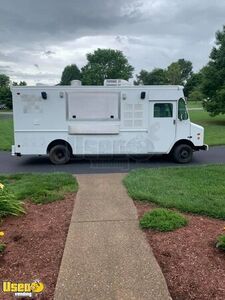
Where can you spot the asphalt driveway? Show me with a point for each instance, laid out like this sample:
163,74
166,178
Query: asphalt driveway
106,164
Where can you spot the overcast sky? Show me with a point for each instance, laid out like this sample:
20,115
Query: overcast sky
38,38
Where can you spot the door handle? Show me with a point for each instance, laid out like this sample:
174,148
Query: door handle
174,122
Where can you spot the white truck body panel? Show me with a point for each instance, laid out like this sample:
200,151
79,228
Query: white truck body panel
100,119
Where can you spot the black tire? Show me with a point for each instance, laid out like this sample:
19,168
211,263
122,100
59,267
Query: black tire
182,154
59,155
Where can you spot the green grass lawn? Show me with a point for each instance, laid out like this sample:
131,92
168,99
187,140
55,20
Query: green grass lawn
6,134
199,190
38,187
194,104
214,126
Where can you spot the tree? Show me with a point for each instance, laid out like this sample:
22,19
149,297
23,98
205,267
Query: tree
179,72
156,76
103,64
5,93
142,78
213,84
70,73
196,95
194,82
6,96
4,80
21,83
186,69
174,73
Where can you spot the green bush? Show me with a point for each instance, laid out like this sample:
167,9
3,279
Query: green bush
221,242
2,248
163,220
9,205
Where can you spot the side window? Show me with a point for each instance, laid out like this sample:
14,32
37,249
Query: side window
182,111
163,110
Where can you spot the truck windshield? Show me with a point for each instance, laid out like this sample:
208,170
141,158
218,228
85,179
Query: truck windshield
182,110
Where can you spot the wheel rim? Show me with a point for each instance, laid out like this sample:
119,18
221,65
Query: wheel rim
60,155
184,154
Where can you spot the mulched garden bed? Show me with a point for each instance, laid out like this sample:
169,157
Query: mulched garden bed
192,266
35,244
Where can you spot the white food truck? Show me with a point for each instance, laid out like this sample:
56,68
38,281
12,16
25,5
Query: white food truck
117,118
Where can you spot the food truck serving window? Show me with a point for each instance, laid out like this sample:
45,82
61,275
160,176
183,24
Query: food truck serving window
93,106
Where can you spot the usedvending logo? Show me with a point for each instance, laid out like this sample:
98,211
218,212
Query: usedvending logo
21,289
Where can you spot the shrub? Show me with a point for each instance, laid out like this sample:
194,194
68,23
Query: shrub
9,205
221,242
2,248
163,220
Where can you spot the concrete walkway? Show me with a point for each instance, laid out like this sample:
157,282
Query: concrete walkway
106,255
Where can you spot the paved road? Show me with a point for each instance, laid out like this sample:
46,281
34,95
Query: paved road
107,164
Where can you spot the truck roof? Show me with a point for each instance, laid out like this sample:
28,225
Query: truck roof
70,87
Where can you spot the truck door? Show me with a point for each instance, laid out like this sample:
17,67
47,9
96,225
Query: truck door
183,130
162,125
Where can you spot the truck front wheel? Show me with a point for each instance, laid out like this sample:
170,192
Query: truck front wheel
59,154
182,154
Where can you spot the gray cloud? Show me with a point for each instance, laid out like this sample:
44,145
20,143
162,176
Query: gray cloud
52,33
48,52
52,19
5,69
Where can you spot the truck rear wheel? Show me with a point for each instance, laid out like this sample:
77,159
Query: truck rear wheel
59,154
182,154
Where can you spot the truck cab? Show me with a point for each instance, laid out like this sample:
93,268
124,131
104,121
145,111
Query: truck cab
189,136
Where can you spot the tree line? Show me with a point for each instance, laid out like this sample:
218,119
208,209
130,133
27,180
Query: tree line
207,85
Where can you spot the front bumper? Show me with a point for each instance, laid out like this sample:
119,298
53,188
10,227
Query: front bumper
203,147
13,152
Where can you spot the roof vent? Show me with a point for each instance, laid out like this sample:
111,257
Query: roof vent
76,83
40,84
116,82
